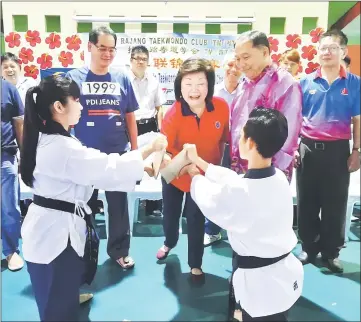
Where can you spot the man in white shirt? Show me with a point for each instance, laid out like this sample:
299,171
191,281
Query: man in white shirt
257,211
227,90
150,98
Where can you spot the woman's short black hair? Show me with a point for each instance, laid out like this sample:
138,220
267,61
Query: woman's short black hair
195,65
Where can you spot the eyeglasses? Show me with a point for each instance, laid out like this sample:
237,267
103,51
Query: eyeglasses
103,49
331,49
139,59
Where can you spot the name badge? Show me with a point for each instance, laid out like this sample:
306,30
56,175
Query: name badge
100,88
118,123
90,124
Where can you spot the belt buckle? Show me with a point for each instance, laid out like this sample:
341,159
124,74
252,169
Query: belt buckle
319,146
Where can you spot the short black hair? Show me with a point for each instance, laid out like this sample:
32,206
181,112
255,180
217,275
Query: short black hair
337,34
258,38
268,128
139,50
96,32
195,65
10,56
347,60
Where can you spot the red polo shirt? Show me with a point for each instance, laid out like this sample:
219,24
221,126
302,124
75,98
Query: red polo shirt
180,125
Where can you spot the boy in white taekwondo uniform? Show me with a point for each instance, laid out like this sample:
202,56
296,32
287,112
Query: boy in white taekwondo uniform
60,244
257,212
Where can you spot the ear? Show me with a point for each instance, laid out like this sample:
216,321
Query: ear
266,51
89,46
58,107
345,52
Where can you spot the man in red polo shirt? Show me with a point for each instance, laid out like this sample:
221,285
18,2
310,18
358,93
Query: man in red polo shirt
331,102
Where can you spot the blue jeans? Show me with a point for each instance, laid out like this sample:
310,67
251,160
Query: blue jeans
10,204
210,227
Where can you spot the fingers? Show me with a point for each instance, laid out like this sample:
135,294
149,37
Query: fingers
184,170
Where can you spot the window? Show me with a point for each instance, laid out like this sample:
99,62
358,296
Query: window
309,23
182,28
20,23
52,23
149,27
117,27
213,28
277,26
243,28
84,27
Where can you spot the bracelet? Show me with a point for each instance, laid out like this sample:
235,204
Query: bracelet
356,149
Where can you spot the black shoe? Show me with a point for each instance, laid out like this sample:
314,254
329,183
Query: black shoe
333,264
305,258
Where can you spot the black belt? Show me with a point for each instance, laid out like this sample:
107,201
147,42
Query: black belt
146,121
323,145
248,262
92,239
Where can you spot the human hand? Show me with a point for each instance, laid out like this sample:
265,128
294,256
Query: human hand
191,150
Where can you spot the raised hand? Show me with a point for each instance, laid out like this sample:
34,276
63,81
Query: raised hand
191,150
160,143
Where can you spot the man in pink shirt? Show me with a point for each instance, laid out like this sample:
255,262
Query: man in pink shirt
264,85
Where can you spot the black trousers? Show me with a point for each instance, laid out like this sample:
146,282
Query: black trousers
56,286
322,185
151,126
118,223
279,317
172,209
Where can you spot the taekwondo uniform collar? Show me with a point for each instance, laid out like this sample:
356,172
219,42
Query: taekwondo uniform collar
52,127
260,173
186,110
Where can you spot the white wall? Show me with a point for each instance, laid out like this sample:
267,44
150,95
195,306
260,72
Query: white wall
262,11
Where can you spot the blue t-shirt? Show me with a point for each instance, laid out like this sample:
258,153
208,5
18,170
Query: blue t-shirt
11,106
105,99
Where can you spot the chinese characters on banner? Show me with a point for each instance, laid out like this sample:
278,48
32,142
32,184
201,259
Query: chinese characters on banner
168,51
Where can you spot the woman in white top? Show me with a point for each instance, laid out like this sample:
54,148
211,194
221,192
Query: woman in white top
11,71
59,240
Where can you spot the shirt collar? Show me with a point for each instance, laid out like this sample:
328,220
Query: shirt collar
343,73
223,86
260,173
268,70
186,110
134,77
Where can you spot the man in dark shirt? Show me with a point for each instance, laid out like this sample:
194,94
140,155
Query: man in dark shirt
11,106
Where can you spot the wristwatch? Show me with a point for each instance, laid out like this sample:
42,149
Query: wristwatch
356,149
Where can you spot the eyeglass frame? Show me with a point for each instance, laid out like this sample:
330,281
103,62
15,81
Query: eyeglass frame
332,49
139,59
103,49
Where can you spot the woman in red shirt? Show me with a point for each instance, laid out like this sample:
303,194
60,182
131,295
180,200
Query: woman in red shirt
201,119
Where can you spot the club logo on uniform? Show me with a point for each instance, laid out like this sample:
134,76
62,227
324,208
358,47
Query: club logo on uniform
344,91
295,286
312,91
218,125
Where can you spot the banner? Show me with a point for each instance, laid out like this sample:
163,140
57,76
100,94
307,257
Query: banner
168,51
51,71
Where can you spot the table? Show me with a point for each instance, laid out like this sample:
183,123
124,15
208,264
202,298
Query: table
151,189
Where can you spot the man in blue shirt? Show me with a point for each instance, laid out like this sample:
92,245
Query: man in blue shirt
108,124
11,106
331,103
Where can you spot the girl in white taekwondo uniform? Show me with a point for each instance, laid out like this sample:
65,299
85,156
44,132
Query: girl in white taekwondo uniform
257,212
57,231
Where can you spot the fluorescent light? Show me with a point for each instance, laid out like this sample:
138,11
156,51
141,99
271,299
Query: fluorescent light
247,20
